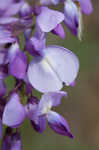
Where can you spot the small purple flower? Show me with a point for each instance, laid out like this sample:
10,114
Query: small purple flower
71,13
16,141
86,6
14,112
55,121
47,73
6,142
35,46
25,10
48,19
38,122
10,7
11,141
59,30
36,43
6,36
3,56
17,61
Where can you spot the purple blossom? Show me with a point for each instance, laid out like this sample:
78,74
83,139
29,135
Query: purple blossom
71,13
34,66
55,121
6,36
11,141
25,10
17,61
48,19
10,7
37,122
14,112
86,6
50,67
59,30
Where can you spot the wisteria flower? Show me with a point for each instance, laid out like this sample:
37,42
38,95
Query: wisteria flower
39,113
14,112
57,66
35,66
48,19
17,61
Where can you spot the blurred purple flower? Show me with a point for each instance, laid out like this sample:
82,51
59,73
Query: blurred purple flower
86,6
11,141
10,7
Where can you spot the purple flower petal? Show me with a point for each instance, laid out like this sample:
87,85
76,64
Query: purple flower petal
40,124
18,62
31,109
10,7
27,33
71,16
2,88
42,77
49,2
16,142
3,56
6,36
0,128
6,142
58,124
25,10
35,46
50,99
9,20
14,112
47,74
63,62
49,19
86,6
59,30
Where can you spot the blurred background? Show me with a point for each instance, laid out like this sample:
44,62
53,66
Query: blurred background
81,108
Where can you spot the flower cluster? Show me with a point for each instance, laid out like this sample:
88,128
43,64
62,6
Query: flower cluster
47,70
